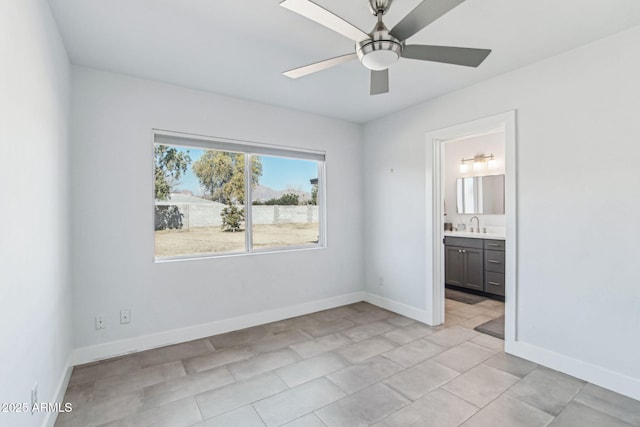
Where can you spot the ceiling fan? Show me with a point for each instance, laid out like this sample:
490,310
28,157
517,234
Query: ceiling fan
382,47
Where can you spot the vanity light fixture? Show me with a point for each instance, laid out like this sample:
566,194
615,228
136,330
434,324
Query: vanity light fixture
492,163
480,162
464,168
479,165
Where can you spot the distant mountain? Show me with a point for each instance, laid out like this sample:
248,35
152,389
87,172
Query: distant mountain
262,194
186,199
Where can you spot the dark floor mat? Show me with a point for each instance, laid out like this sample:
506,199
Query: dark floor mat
494,327
462,296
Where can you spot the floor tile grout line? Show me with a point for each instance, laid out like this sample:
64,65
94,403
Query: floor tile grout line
573,399
522,401
312,412
198,405
597,410
471,403
462,398
257,412
342,398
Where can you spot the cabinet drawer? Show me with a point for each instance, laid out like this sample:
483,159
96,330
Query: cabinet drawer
494,283
494,261
465,242
496,245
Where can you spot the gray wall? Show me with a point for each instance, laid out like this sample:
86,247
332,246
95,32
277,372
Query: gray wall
35,286
577,170
113,262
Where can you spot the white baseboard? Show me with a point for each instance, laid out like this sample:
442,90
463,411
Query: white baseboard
131,345
399,308
61,389
597,375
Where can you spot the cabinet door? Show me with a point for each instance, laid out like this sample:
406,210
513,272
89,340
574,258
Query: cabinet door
454,266
474,267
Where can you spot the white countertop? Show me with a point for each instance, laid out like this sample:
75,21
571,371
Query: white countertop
497,236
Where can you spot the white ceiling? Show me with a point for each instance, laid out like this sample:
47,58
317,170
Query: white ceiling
241,47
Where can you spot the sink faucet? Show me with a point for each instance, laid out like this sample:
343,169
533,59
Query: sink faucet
478,223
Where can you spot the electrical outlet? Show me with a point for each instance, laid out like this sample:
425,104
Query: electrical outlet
380,281
100,322
34,397
125,316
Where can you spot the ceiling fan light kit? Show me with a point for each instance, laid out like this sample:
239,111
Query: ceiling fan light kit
380,51
382,48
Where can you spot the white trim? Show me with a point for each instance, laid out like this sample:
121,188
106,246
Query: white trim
437,292
61,389
399,308
322,202
506,121
595,374
132,345
511,241
184,139
274,250
248,196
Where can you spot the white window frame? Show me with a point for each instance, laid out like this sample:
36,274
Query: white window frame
249,149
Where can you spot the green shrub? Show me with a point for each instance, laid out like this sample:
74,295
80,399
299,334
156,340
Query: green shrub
232,218
288,199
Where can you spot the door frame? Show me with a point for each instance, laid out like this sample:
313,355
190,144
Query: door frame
437,139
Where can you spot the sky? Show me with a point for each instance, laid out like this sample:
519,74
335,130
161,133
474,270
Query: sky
278,173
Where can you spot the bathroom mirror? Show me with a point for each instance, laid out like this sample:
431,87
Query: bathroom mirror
480,194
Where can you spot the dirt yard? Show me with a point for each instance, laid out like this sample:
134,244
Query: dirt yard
204,240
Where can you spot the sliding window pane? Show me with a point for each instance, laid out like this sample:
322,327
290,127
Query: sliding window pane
285,201
199,201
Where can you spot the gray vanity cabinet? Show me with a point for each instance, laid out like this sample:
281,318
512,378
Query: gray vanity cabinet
476,264
464,263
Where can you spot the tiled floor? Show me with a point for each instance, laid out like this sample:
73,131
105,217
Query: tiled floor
356,365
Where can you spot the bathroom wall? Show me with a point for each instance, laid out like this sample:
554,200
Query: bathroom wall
468,147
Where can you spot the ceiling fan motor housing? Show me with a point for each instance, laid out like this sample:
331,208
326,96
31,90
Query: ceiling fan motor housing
380,51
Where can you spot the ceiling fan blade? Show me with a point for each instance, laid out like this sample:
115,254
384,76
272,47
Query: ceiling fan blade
322,16
466,56
379,82
424,14
319,66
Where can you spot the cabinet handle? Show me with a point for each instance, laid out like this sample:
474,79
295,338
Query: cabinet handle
494,283
492,244
493,261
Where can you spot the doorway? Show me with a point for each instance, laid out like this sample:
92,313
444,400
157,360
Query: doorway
503,124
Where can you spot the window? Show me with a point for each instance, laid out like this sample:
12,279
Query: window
220,196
